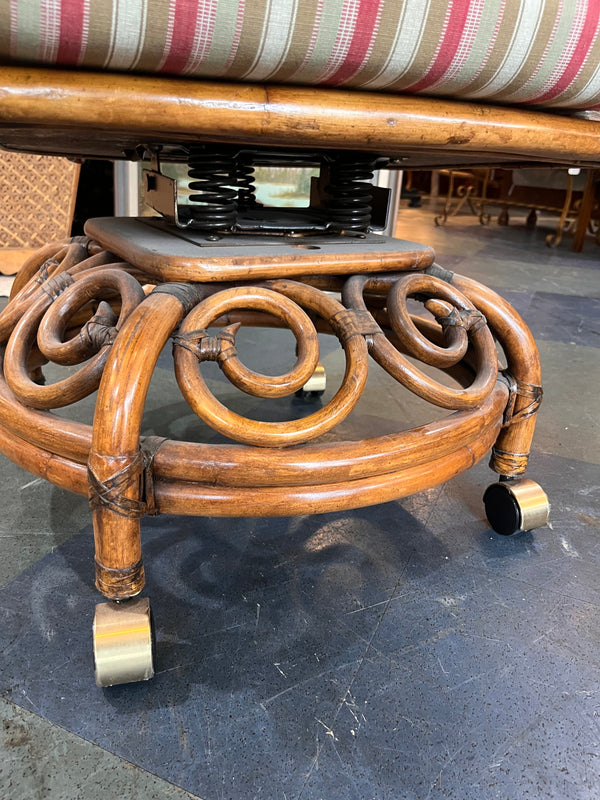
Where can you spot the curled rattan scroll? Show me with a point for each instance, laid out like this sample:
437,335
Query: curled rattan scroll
461,324
193,335
284,300
41,273
42,330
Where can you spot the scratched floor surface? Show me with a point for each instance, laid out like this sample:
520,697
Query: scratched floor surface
401,652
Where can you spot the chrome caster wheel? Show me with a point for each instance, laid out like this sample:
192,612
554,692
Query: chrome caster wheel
123,642
316,385
513,506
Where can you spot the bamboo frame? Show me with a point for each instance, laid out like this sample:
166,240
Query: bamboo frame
58,111
77,303
191,478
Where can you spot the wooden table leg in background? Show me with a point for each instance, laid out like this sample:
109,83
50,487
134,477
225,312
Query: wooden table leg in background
585,212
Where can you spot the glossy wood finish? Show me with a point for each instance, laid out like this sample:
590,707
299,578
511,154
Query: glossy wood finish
511,451
116,435
45,324
58,111
186,255
407,333
81,306
128,476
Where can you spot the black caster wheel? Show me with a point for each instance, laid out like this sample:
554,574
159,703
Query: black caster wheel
123,642
315,386
513,506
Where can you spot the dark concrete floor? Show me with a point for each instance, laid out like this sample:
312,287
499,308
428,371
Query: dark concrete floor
402,652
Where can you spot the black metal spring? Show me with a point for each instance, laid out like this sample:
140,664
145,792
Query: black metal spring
245,183
350,193
213,174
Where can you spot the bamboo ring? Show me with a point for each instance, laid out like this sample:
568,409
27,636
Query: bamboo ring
265,300
278,298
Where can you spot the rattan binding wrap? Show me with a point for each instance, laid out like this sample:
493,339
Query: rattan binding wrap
37,201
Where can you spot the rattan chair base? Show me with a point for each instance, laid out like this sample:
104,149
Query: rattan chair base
74,305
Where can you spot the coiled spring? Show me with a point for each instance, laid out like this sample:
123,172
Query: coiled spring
350,193
213,174
245,183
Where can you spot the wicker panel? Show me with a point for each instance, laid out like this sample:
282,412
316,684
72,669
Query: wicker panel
37,199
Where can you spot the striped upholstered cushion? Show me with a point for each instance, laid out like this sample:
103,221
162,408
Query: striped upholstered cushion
515,51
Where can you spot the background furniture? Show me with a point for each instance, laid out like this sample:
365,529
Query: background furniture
465,186
550,190
37,201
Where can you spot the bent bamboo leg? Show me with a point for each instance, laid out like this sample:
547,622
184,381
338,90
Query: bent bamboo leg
511,451
115,467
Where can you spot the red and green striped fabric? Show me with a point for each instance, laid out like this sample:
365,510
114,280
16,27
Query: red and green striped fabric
513,51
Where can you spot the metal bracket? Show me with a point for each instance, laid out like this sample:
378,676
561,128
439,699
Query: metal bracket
161,195
380,205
